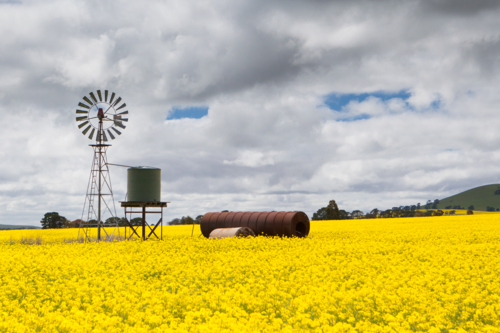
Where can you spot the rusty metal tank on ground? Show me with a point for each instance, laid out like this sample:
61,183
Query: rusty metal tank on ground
262,223
232,232
143,184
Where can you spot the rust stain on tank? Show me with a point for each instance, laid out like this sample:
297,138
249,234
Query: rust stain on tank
229,219
220,220
278,224
237,219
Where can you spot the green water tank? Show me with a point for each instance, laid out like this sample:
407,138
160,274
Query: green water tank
143,184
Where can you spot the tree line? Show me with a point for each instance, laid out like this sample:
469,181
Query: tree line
332,212
53,220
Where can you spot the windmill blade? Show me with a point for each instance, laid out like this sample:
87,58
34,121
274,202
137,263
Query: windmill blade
117,131
117,101
108,101
106,118
93,97
87,100
86,130
83,105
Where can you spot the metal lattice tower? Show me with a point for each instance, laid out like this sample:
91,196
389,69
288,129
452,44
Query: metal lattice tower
99,202
99,220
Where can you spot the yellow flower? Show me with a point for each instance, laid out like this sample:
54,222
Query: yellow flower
417,274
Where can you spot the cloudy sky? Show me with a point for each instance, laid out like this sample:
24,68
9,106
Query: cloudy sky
252,105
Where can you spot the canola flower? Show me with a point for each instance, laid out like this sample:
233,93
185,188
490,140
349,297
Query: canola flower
433,274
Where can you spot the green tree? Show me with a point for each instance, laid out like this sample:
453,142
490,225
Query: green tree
123,222
76,223
344,215
428,205
187,220
438,212
357,213
112,220
175,221
136,221
332,211
319,215
373,214
184,220
387,213
52,221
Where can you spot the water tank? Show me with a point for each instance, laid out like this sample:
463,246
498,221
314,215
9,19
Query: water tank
231,232
143,184
288,224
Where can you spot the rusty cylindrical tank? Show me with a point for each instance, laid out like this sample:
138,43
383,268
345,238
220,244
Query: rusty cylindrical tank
281,224
232,232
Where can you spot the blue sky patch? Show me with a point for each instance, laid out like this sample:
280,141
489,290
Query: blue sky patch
338,101
195,112
436,104
359,117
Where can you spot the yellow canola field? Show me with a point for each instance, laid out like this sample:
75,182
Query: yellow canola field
434,274
46,236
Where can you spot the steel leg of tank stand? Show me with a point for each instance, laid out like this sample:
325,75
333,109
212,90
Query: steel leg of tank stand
153,230
144,223
125,210
133,229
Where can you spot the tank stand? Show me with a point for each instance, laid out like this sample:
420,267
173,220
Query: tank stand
140,208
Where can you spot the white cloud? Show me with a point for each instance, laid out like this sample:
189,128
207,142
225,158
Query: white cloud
251,159
263,69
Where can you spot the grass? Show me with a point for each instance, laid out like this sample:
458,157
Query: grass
480,197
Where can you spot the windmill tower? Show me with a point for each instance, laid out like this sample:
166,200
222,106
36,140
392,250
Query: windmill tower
101,116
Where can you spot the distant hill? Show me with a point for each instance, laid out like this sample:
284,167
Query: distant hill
12,227
480,197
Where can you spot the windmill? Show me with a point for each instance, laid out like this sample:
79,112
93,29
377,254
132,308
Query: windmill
100,114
